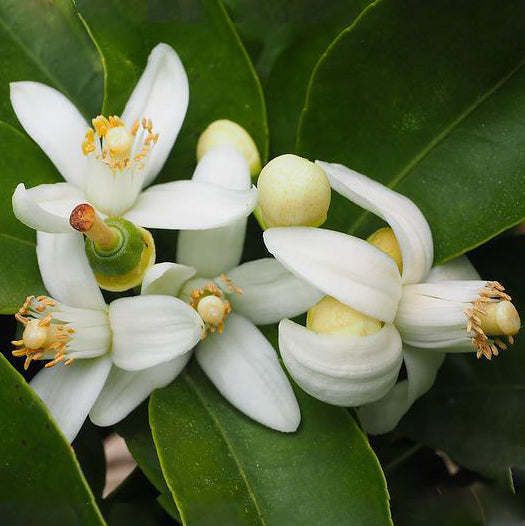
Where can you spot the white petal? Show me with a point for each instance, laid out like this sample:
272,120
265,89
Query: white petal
405,218
341,370
47,207
223,166
244,367
149,330
182,205
126,390
345,267
70,391
66,272
161,95
384,415
432,315
457,269
166,278
214,251
270,292
55,125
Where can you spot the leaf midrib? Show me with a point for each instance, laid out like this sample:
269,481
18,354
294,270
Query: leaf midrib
412,164
18,239
229,445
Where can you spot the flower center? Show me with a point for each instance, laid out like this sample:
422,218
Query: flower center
112,143
42,337
210,303
492,314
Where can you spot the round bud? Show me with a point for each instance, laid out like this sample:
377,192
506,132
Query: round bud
330,316
385,240
228,133
119,139
212,310
293,192
34,335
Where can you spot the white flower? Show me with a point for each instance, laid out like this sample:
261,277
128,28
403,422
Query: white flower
110,166
90,344
234,354
353,370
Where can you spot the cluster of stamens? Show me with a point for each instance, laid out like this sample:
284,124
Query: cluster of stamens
493,292
212,306
42,338
116,141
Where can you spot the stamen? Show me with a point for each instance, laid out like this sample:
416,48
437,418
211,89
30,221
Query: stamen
229,284
491,314
41,336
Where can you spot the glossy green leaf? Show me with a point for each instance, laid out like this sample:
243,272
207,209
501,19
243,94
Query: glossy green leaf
225,469
474,412
427,98
21,161
222,81
38,465
285,41
44,41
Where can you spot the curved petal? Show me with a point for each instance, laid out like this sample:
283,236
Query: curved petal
182,205
47,207
161,95
70,392
126,390
405,218
384,415
345,267
270,293
166,278
341,370
149,330
66,272
457,269
432,315
55,125
214,251
244,367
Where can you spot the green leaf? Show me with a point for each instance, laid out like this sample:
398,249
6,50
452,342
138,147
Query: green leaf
222,81
44,41
285,41
38,465
225,469
474,412
21,160
426,97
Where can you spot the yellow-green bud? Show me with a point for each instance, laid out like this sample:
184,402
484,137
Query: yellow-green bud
293,192
385,239
228,133
330,316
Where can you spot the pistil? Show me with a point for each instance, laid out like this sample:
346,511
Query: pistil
85,219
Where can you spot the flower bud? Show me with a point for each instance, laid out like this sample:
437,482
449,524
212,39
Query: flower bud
330,316
385,240
292,192
228,133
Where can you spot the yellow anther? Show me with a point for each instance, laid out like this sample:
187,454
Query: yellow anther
293,192
88,145
228,133
330,316
101,125
385,240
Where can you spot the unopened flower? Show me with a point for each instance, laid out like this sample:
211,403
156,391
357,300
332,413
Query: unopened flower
110,164
88,345
356,369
